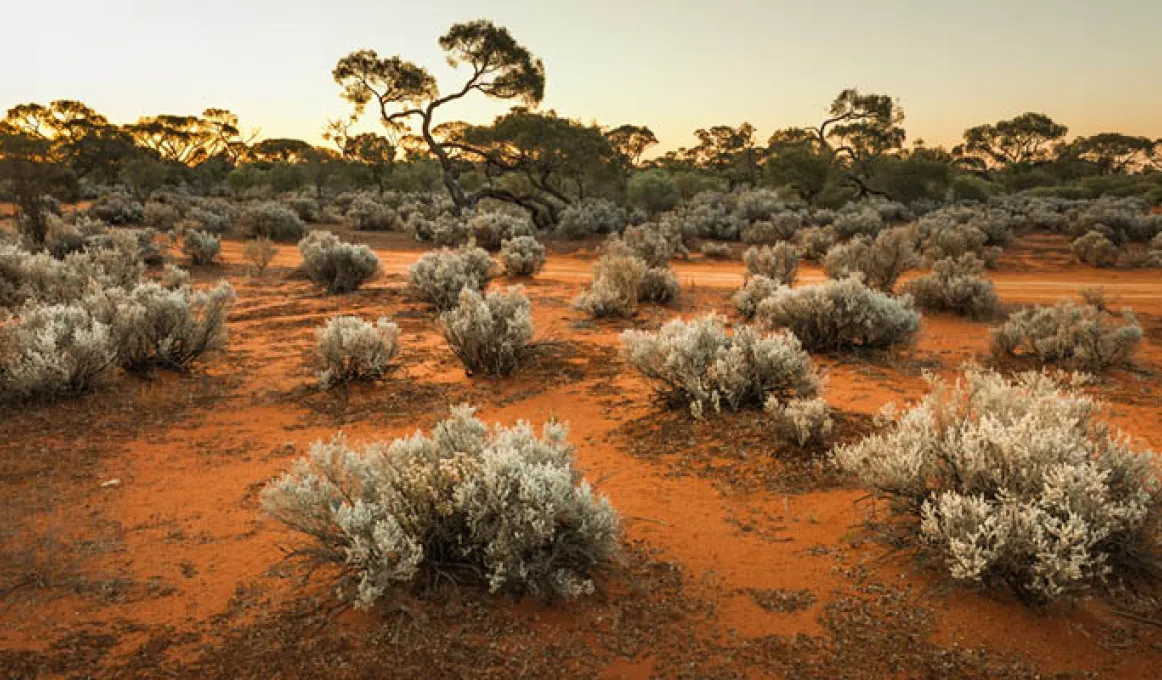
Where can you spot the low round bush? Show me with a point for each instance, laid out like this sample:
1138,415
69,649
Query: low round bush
522,256
272,220
616,287
1068,335
497,507
439,276
779,263
201,247
489,333
492,229
841,315
350,348
337,266
957,286
697,364
1015,484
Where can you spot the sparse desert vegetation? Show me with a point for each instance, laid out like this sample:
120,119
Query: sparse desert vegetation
266,410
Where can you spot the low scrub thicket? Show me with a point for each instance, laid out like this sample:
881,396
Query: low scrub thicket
499,507
55,350
814,242
438,277
522,256
367,214
213,216
659,285
490,333
1016,485
715,250
806,423
350,348
161,216
445,229
259,252
118,209
337,266
1095,249
492,229
201,247
306,207
1069,335
880,262
841,315
591,216
272,220
756,289
114,261
699,365
779,263
652,243
616,287
957,286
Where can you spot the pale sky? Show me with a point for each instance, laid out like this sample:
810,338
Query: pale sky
672,65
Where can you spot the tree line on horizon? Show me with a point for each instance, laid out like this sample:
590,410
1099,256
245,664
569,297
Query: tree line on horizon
543,161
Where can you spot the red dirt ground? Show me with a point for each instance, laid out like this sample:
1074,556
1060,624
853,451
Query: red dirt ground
132,545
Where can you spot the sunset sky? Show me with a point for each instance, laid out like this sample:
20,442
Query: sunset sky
672,65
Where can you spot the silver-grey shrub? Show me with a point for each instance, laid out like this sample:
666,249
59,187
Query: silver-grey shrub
118,209
201,247
153,326
957,286
1068,335
841,315
522,256
1094,249
659,285
367,214
779,263
337,266
591,216
806,423
715,250
490,333
880,262
272,220
616,286
814,242
499,507
350,348
1015,484
439,276
699,365
161,216
492,229
53,351
756,289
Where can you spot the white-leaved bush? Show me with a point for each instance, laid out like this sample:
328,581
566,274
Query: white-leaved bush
756,289
350,348
699,365
779,263
806,423
500,507
616,287
367,214
1068,335
439,276
53,351
591,216
490,332
153,326
841,315
880,262
522,256
715,250
1094,249
957,286
659,285
201,247
492,229
272,220
1015,484
337,266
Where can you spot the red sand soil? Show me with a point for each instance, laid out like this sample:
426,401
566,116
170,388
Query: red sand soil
132,543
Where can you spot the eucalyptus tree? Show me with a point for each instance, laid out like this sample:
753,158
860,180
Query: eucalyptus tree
407,95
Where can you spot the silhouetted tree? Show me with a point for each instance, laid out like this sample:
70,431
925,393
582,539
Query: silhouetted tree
1025,140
